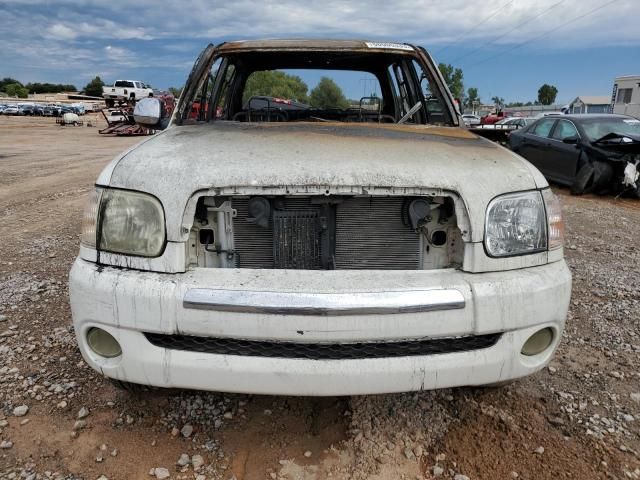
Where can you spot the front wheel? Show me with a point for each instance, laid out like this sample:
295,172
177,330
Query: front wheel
583,181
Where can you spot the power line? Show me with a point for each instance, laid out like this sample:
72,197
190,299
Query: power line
507,32
543,34
482,22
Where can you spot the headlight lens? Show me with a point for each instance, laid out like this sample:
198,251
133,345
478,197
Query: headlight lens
131,223
516,224
554,218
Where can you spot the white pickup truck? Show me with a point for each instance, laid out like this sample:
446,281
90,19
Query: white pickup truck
125,90
318,250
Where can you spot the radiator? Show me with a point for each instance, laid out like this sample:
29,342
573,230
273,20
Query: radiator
362,233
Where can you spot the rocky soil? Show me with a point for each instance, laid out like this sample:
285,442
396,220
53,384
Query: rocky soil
577,419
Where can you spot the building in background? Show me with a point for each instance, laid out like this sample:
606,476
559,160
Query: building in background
590,104
625,98
534,110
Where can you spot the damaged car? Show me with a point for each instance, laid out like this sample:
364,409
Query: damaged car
587,152
325,248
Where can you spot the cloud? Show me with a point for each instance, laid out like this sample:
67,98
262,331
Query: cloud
97,29
98,35
427,21
120,55
61,32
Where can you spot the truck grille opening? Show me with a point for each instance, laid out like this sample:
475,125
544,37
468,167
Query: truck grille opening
326,233
322,351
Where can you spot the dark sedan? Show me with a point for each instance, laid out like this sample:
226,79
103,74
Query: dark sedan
589,153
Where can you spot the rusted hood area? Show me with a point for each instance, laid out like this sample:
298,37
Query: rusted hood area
182,160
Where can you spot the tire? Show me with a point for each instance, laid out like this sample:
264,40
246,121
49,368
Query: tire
584,180
133,388
602,175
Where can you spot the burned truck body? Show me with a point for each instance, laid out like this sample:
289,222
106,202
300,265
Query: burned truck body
317,246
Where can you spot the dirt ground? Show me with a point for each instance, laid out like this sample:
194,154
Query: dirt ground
577,419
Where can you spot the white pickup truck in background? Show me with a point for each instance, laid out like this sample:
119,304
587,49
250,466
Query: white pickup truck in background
125,90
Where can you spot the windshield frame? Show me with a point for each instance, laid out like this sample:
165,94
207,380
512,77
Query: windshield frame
200,80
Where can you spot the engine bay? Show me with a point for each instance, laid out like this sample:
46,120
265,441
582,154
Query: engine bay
325,233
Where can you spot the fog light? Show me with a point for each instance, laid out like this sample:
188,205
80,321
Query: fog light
538,342
103,343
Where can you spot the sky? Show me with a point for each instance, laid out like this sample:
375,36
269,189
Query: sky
506,48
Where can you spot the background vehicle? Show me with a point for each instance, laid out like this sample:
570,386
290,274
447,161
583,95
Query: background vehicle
470,120
517,121
550,114
116,116
125,90
26,109
492,118
588,152
11,110
69,119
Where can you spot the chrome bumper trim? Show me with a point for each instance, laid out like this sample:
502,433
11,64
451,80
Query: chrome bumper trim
327,304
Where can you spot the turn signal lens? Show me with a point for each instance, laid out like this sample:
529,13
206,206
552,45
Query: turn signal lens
90,219
538,342
103,343
555,223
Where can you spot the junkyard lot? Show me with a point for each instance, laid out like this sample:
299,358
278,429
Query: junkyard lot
45,174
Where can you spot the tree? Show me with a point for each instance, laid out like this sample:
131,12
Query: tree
16,90
8,81
498,101
472,97
272,83
327,94
547,94
94,87
50,87
453,77
176,91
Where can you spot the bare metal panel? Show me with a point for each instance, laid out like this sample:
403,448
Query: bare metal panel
370,234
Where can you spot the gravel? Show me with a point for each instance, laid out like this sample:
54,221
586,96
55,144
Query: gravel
197,461
21,411
588,398
161,473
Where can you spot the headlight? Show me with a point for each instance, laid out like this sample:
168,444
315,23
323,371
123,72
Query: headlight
121,221
516,224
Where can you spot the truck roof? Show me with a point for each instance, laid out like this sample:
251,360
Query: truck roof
319,45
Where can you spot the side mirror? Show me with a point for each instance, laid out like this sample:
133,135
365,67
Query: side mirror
573,140
148,113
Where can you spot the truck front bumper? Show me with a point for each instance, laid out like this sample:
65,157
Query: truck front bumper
311,308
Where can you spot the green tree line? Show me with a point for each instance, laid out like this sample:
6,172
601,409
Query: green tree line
273,83
15,88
